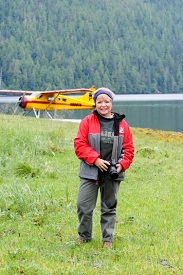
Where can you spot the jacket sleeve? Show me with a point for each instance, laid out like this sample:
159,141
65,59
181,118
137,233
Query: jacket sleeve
128,148
82,148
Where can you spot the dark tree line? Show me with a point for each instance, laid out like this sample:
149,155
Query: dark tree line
130,46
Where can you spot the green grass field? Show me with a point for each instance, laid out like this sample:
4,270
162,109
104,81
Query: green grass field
38,190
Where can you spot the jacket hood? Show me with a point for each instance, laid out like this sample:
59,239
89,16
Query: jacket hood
117,119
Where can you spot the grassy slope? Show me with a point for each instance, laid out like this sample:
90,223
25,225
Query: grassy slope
38,189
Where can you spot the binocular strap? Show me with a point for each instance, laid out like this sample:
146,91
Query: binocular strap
102,190
115,149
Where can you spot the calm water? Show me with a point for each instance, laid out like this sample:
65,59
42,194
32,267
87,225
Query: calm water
163,112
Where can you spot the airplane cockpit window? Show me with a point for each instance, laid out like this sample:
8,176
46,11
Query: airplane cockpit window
50,98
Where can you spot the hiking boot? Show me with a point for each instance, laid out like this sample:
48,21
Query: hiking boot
107,244
79,241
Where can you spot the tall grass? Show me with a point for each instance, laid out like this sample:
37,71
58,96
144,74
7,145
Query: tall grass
38,189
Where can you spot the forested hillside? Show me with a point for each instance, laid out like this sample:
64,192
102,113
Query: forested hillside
130,46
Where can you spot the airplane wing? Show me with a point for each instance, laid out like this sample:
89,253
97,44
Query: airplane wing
16,92
65,92
58,92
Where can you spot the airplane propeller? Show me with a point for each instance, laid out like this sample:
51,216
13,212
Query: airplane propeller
16,107
19,103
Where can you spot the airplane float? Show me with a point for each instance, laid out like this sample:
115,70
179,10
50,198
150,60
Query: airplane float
57,100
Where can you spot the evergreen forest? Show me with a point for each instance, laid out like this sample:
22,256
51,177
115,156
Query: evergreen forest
129,46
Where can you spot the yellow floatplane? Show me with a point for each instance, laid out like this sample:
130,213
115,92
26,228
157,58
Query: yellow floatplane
57,100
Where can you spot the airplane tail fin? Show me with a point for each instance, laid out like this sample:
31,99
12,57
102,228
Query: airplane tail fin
93,89
88,97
